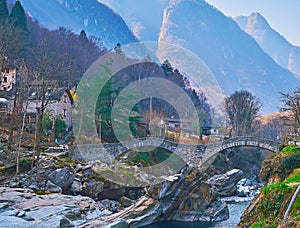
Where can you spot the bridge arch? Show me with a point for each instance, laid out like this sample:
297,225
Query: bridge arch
214,149
196,154
266,144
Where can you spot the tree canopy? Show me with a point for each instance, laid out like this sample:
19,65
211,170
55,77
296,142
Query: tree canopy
18,16
242,108
3,11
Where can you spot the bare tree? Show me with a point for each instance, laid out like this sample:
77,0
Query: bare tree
272,126
242,108
291,105
46,64
24,94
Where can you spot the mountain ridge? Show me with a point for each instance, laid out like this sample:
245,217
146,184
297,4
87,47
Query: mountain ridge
94,17
233,56
273,43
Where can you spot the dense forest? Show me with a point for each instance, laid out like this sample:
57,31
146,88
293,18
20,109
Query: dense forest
49,55
149,108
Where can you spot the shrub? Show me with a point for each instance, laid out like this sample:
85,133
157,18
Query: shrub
291,162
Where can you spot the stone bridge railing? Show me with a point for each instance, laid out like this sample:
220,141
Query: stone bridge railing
213,149
250,141
190,153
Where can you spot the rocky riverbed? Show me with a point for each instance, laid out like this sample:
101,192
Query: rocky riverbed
61,192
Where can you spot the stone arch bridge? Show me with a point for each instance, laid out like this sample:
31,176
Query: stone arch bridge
190,153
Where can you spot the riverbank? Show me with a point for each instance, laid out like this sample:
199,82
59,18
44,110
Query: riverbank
281,177
235,212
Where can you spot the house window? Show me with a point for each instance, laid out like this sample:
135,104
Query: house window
5,79
65,112
65,98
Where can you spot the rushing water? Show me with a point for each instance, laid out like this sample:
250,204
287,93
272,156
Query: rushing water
235,212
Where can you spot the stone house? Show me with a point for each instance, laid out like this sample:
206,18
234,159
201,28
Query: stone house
59,102
7,78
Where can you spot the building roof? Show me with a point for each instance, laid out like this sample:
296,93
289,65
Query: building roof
40,83
51,93
36,94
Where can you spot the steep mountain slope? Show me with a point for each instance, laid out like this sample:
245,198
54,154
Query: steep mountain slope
233,56
283,52
97,19
144,17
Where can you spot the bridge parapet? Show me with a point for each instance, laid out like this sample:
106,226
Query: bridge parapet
194,153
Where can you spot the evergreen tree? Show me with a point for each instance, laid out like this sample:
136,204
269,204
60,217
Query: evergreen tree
3,11
18,21
167,67
83,36
18,16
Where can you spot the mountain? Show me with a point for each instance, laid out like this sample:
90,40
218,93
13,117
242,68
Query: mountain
283,52
233,56
144,17
97,19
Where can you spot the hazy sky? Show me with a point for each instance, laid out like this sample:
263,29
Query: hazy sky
282,15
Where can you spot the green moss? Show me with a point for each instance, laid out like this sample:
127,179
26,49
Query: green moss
279,187
41,192
63,162
26,163
97,178
263,224
291,149
273,200
294,177
296,206
147,156
69,160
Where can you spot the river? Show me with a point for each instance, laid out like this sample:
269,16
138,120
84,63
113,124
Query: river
235,212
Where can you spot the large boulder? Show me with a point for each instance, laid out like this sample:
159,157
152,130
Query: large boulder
92,189
62,177
225,184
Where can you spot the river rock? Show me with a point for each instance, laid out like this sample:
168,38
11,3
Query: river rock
12,221
24,208
111,205
126,202
92,189
248,188
62,177
87,171
225,184
76,186
52,188
113,192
